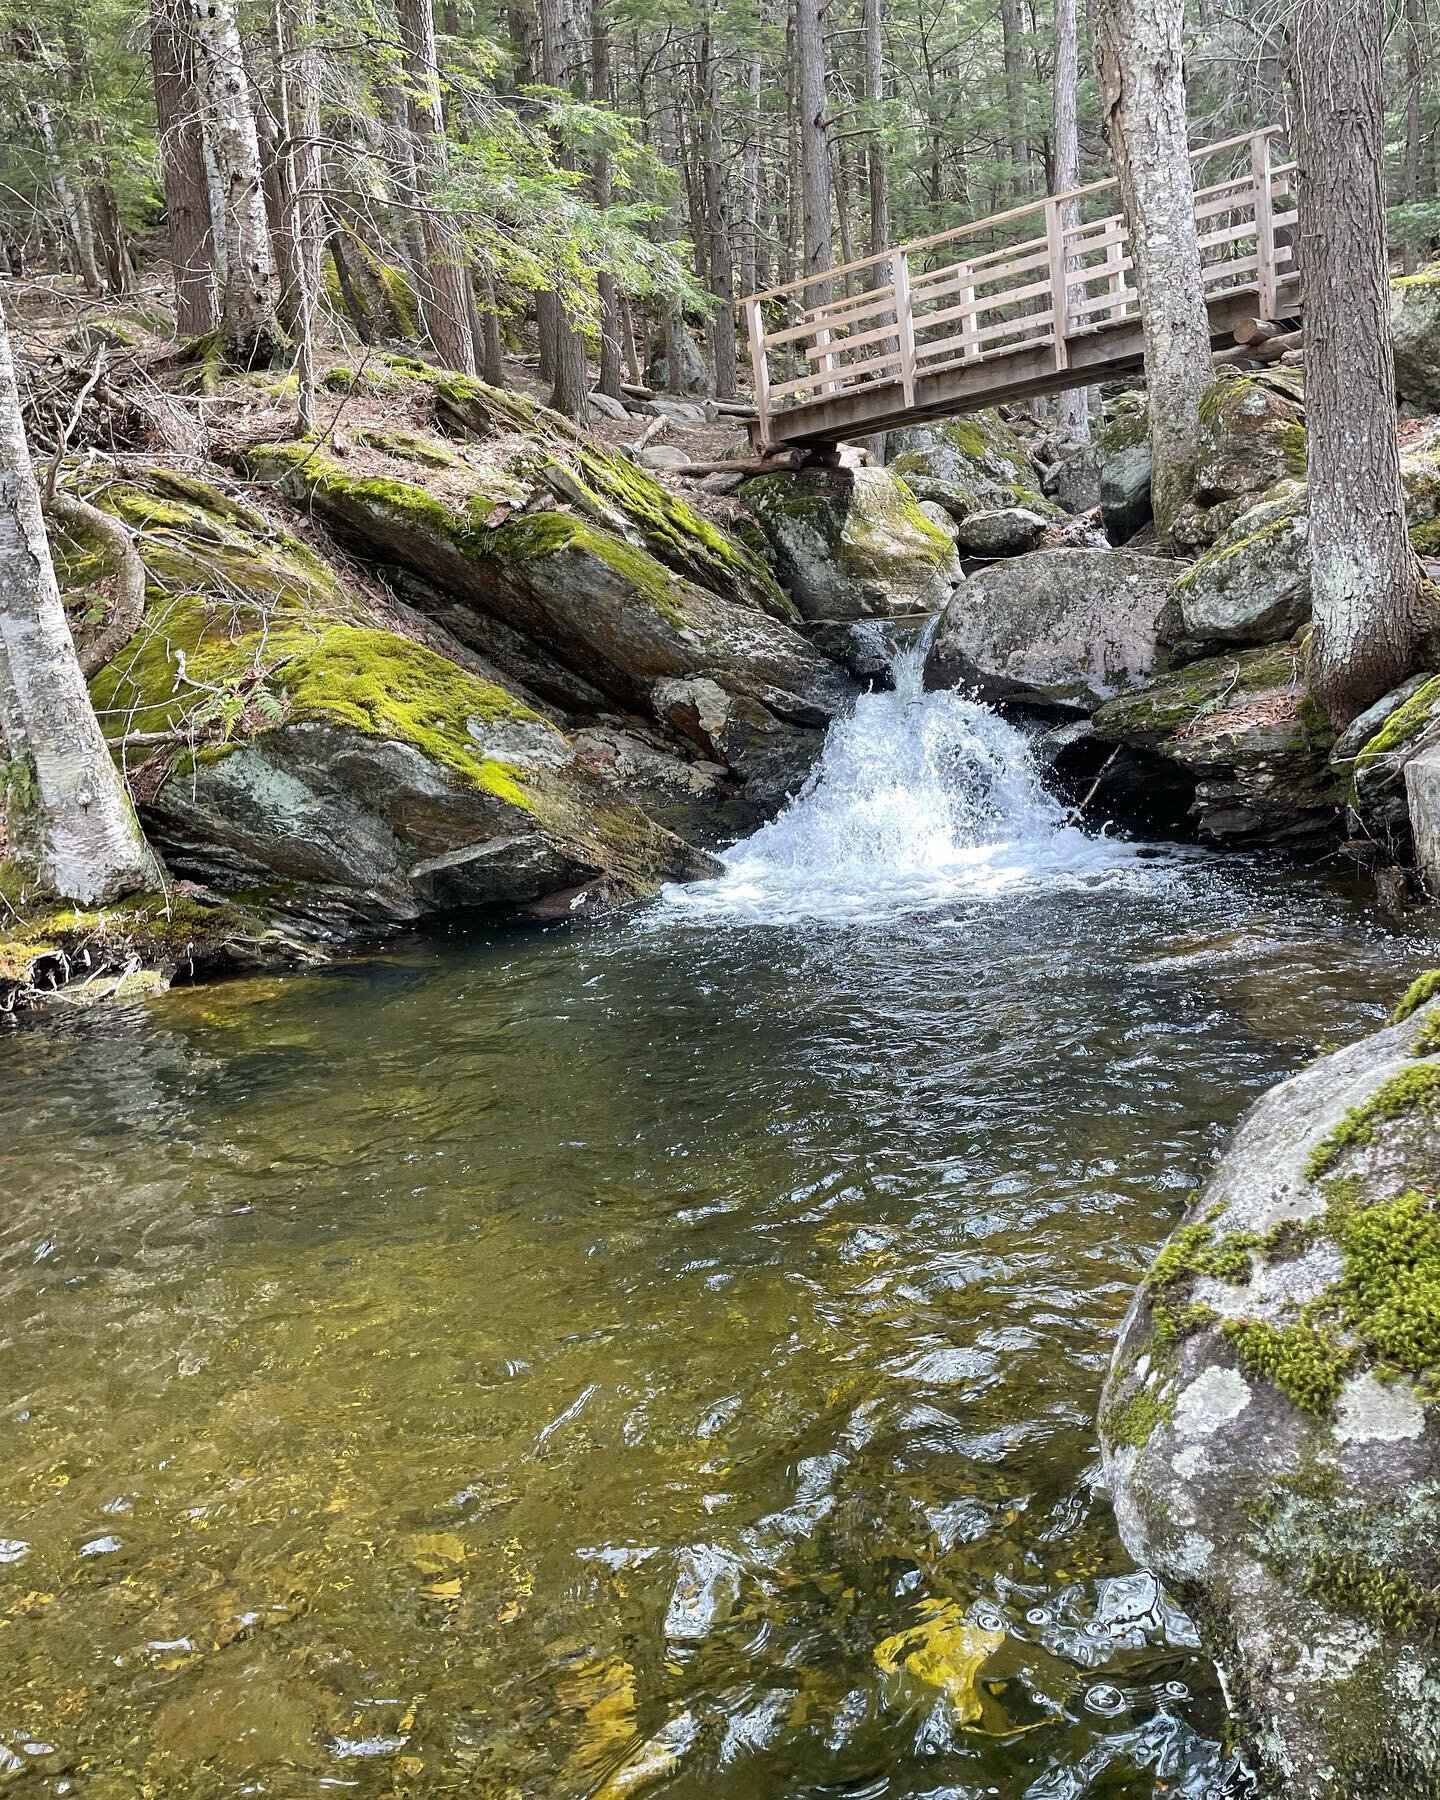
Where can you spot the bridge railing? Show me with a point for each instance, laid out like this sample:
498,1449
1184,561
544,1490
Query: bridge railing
921,310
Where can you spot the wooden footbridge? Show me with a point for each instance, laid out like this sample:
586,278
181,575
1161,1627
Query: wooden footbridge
1029,301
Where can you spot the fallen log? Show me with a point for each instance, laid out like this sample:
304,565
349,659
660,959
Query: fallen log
637,390
769,465
1273,348
1256,331
651,431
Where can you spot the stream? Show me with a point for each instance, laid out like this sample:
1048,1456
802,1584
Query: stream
656,1357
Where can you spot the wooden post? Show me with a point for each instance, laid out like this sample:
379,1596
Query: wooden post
1059,282
825,361
755,328
1113,254
1264,225
969,330
904,323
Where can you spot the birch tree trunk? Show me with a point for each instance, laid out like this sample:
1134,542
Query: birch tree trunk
182,163
1072,408
249,332
1138,48
814,148
68,818
445,296
1371,606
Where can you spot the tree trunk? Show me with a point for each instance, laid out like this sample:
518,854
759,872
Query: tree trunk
750,182
249,330
1014,56
1072,407
182,162
68,817
300,150
562,349
876,173
1369,599
814,147
1138,48
717,219
609,379
1413,72
445,300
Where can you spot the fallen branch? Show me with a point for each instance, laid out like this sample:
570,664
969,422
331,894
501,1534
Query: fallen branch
129,608
651,431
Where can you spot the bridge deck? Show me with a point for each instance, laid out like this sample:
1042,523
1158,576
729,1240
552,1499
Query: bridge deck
918,337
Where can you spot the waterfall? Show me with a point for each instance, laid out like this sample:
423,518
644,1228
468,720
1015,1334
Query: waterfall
918,799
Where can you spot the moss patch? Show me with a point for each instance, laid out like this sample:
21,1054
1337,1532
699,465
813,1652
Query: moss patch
1404,724
1132,1423
1308,1365
1410,1088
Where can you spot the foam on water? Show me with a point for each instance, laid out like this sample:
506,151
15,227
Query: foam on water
919,799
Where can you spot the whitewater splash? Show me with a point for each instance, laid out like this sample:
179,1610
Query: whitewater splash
918,799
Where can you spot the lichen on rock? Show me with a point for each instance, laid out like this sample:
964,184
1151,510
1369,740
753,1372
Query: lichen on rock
1295,1512
853,543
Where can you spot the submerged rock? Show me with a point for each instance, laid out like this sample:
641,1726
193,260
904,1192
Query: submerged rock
1269,1429
1059,628
853,543
1245,730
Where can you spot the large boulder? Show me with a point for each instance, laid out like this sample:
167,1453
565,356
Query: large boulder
285,736
1269,1427
1122,443
689,378
1253,585
1000,531
1067,629
968,464
1415,335
1244,730
1252,435
578,575
853,543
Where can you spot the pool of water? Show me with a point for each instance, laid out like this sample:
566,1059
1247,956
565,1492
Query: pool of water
650,1358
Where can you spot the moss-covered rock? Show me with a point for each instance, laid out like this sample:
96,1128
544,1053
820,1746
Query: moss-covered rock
1270,1427
599,603
1253,585
527,444
1415,335
64,956
853,543
1245,730
1122,441
1252,436
968,464
286,736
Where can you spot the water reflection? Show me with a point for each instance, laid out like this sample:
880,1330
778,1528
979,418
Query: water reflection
654,1359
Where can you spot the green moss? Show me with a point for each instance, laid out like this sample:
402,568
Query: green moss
1130,1424
1384,1594
1406,722
520,541
1390,1295
1427,1039
411,447
1307,1364
1422,988
1425,539
1415,1087
387,686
